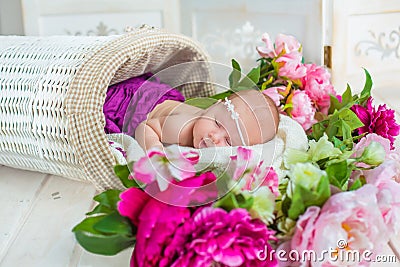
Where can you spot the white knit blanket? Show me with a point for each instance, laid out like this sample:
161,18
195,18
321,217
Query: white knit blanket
290,135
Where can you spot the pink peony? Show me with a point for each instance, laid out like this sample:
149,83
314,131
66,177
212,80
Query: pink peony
348,221
165,167
284,44
303,112
156,224
290,66
318,87
157,221
274,94
388,195
215,237
268,51
380,121
388,198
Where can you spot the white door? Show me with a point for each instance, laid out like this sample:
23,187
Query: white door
366,34
233,28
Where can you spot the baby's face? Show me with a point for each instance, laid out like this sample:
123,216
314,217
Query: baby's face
217,128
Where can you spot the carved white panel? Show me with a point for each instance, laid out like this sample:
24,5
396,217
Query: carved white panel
232,28
97,17
366,36
96,24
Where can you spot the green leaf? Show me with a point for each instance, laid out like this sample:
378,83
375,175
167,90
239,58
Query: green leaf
318,129
286,203
236,65
334,105
227,202
243,202
339,143
250,81
114,223
222,95
201,102
338,173
107,202
235,75
232,201
347,96
346,131
366,92
123,171
356,185
297,206
100,210
100,243
350,118
303,198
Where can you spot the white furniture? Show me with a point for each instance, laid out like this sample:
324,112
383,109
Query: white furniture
356,33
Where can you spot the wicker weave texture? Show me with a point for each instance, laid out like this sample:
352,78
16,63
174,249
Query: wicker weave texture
52,91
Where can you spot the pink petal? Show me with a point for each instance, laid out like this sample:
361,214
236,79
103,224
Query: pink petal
132,202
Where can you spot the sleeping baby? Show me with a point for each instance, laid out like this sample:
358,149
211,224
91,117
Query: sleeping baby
155,115
246,118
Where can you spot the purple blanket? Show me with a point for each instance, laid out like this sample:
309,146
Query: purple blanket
128,103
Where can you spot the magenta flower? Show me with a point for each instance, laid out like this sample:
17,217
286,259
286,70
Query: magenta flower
303,111
157,221
214,237
380,121
318,87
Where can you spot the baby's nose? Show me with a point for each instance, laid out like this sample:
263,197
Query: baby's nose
217,137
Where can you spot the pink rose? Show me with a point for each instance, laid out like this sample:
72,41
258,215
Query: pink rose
290,66
303,112
318,87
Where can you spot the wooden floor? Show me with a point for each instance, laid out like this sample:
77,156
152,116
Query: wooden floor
39,210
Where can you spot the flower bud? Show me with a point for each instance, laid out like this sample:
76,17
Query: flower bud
374,154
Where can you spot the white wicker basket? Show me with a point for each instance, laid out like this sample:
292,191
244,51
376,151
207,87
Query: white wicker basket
52,91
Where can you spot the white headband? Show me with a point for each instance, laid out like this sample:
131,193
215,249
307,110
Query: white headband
235,116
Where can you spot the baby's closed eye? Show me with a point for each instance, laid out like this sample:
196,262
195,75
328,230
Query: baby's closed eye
227,139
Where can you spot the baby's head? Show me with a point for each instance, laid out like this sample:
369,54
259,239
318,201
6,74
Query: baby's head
246,118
